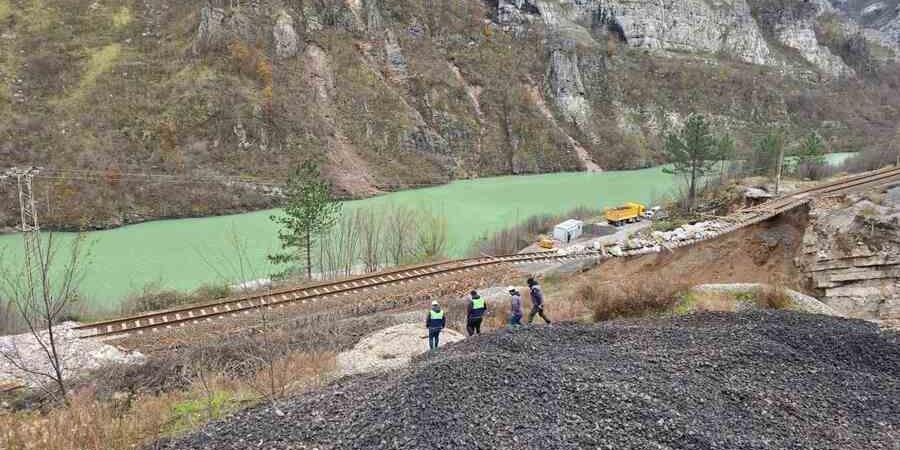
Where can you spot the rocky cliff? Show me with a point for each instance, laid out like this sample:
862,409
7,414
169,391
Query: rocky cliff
851,255
391,95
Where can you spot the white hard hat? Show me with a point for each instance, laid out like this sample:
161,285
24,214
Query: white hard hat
434,303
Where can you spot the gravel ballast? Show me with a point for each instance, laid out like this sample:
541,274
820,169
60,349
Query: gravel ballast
756,380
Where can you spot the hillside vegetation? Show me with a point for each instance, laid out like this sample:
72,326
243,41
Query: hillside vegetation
391,95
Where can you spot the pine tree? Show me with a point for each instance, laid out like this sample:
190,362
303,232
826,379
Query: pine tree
766,152
811,156
812,150
309,210
692,153
726,150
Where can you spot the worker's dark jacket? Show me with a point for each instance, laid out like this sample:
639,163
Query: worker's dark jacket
475,313
537,296
434,323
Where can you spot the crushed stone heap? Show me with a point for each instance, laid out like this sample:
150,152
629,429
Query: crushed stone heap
759,380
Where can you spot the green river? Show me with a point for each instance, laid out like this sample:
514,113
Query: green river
186,253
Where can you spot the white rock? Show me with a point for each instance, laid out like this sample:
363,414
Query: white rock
77,355
390,348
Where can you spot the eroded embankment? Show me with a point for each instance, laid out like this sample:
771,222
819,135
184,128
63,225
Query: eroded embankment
762,253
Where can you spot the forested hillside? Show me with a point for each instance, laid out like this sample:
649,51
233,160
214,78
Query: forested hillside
395,94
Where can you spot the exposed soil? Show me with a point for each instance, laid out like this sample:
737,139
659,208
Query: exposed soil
760,380
762,253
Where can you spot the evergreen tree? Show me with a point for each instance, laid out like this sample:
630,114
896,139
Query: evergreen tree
309,210
726,152
692,153
811,157
766,151
812,150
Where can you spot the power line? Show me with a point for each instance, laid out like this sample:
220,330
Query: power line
115,175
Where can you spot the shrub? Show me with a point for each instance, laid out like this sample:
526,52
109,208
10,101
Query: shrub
629,298
773,297
154,298
870,159
511,240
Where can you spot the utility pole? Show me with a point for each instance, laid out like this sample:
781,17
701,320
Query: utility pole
780,167
29,225
897,146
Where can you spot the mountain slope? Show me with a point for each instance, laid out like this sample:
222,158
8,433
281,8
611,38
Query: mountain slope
390,95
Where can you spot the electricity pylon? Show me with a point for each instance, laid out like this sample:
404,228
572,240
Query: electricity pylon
29,226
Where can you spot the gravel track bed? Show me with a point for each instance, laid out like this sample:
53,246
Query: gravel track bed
756,380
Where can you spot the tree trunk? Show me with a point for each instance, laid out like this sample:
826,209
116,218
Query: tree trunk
57,366
308,255
692,191
780,169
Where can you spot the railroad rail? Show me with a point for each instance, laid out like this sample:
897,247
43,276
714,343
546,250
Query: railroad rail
195,314
189,315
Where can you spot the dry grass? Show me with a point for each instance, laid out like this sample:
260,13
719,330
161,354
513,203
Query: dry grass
153,297
704,302
768,297
629,298
773,297
126,422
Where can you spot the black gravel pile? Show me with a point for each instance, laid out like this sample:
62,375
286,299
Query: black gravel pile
760,380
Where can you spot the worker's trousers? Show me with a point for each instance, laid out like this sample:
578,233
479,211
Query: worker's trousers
537,310
434,335
473,326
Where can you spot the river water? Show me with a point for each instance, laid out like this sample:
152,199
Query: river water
186,253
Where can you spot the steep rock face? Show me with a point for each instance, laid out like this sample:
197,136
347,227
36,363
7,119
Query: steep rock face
851,253
882,16
218,26
801,36
709,26
394,55
285,36
396,94
565,86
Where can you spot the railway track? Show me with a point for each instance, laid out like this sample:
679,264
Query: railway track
195,314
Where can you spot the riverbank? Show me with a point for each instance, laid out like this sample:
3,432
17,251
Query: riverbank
184,254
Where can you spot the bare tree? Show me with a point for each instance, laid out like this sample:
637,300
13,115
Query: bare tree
232,264
400,234
348,239
267,358
432,236
40,299
371,246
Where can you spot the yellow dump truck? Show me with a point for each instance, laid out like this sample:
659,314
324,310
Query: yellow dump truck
545,242
629,212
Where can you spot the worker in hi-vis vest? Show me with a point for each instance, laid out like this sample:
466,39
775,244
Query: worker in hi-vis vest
435,323
474,313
